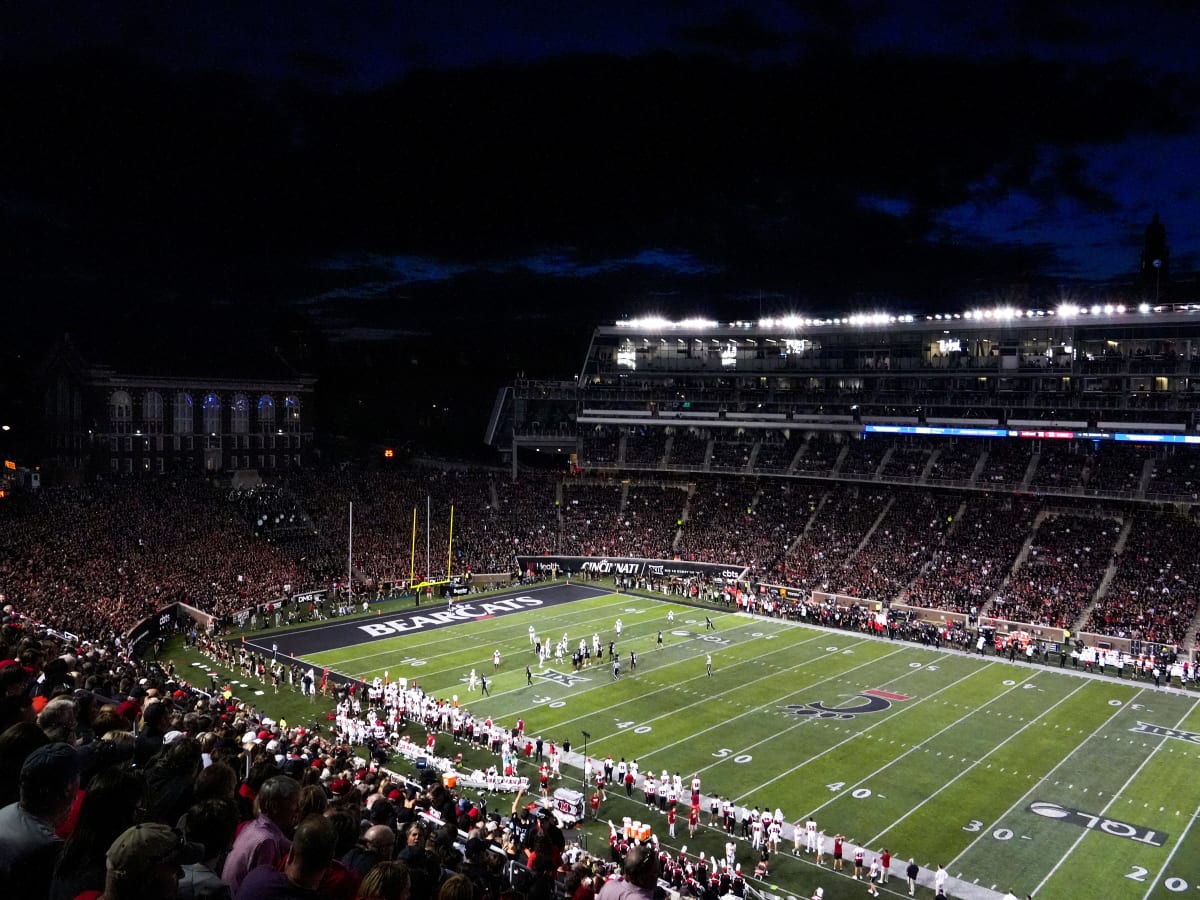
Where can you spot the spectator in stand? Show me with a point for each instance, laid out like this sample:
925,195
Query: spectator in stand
112,802
386,881
211,824
641,877
29,844
144,863
265,841
303,867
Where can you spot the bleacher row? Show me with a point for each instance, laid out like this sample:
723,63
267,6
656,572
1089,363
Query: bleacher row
1120,470
95,560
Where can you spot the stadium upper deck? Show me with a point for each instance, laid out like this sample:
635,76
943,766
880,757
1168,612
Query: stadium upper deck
1099,368
704,396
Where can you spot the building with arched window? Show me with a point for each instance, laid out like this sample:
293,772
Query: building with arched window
99,419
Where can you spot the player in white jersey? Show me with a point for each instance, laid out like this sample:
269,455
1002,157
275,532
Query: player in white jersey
810,835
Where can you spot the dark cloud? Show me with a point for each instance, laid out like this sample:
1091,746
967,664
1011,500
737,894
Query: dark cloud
737,31
1052,21
321,65
822,178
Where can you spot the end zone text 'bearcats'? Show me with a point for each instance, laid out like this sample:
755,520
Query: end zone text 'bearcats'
462,612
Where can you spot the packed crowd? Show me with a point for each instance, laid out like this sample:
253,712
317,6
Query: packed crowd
776,452
1059,578
119,781
975,556
863,458
1119,468
954,462
732,454
1155,593
818,456
907,462
95,559
840,525
899,547
689,447
1006,463
1062,466
645,447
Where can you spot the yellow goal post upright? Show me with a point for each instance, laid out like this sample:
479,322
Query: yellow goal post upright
428,582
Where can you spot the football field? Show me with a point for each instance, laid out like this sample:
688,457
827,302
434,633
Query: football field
1015,777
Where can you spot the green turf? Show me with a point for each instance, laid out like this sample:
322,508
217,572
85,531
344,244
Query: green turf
947,775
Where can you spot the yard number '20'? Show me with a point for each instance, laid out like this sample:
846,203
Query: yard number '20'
1174,885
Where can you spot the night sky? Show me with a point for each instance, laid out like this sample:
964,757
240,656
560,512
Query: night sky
387,175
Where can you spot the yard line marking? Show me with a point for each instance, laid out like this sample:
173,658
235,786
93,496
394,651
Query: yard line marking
1116,712
704,700
514,644
975,764
1108,805
1162,871
764,706
913,749
455,638
853,735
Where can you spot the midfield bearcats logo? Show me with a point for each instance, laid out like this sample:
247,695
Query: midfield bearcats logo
566,679
876,701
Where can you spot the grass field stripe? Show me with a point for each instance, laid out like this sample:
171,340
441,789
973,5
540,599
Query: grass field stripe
1062,762
513,643
514,640
807,720
604,683
977,762
873,725
1171,856
704,700
1108,805
764,706
499,595
915,747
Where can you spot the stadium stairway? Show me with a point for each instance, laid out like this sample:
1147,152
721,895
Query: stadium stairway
1147,477
791,469
979,465
986,609
929,464
837,465
871,531
1109,574
753,457
882,467
807,525
902,597
1030,470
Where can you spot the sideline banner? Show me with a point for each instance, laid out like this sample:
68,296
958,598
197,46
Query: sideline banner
606,565
152,625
